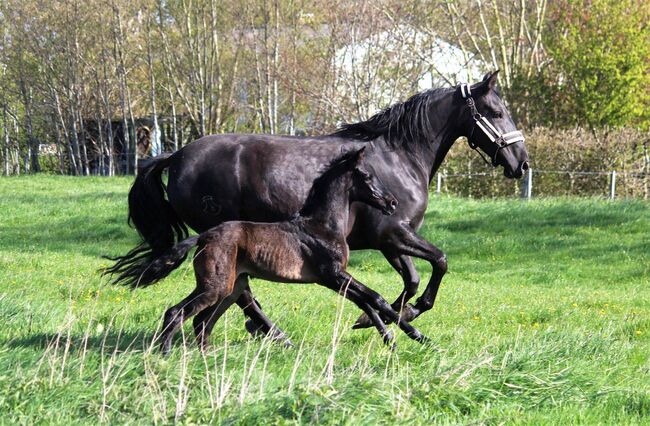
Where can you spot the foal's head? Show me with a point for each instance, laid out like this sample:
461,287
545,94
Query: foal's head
368,188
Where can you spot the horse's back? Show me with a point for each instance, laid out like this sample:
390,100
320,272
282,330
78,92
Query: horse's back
250,177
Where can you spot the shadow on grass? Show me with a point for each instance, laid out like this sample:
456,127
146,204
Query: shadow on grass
108,342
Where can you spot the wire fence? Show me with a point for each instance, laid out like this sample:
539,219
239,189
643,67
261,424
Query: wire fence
489,184
541,183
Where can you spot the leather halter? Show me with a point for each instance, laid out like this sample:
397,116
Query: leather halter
501,140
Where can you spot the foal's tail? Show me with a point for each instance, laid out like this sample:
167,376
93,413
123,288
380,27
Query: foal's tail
164,264
157,223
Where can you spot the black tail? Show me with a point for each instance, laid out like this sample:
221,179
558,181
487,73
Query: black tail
163,265
156,222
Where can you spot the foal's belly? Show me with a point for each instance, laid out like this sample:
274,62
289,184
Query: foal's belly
273,254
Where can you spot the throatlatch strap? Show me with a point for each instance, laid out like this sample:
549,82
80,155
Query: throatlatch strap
465,90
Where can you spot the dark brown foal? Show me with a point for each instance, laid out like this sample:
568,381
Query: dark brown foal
310,247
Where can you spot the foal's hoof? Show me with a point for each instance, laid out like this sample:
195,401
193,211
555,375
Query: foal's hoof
254,330
422,339
362,322
274,334
408,314
389,340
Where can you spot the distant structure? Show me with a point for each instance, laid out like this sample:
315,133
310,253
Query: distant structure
441,62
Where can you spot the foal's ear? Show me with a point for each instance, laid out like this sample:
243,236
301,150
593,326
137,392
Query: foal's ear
358,156
489,82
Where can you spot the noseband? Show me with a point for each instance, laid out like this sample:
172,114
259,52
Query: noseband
501,140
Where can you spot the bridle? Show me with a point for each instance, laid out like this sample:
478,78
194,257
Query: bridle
501,140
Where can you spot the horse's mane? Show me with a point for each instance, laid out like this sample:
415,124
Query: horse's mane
334,169
404,123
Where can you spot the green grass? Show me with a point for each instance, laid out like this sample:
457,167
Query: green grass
544,317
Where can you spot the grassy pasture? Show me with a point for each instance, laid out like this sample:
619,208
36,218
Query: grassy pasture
544,317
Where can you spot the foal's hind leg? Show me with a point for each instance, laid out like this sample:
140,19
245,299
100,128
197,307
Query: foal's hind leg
214,269
262,326
258,323
176,315
205,320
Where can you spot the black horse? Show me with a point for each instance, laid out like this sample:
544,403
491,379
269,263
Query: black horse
266,178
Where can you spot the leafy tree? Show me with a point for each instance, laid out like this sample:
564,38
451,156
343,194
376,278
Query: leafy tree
600,65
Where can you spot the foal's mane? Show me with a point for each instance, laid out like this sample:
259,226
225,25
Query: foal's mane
334,169
405,123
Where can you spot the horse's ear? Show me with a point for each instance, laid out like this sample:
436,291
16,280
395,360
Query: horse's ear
488,83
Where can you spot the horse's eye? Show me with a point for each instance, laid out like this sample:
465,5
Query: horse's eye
498,114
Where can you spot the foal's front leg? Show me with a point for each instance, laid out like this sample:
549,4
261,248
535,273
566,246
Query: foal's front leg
405,267
368,299
404,241
342,287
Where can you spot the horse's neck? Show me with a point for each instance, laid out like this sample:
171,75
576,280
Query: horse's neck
428,156
332,215
441,152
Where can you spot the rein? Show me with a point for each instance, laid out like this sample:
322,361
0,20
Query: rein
501,140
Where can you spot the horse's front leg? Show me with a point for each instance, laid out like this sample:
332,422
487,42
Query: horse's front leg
369,301
403,241
405,267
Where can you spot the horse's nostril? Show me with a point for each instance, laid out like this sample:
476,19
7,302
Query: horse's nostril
393,203
524,166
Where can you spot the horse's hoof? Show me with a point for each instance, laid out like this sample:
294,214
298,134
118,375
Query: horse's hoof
408,313
362,322
253,329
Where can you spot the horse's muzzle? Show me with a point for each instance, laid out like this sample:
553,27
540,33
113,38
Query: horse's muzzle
518,173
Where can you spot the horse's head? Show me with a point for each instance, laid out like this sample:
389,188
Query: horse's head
487,124
368,188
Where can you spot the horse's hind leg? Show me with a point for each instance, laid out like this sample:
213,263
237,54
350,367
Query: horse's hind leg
205,320
258,323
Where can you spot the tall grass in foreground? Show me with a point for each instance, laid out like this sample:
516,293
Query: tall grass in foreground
543,318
